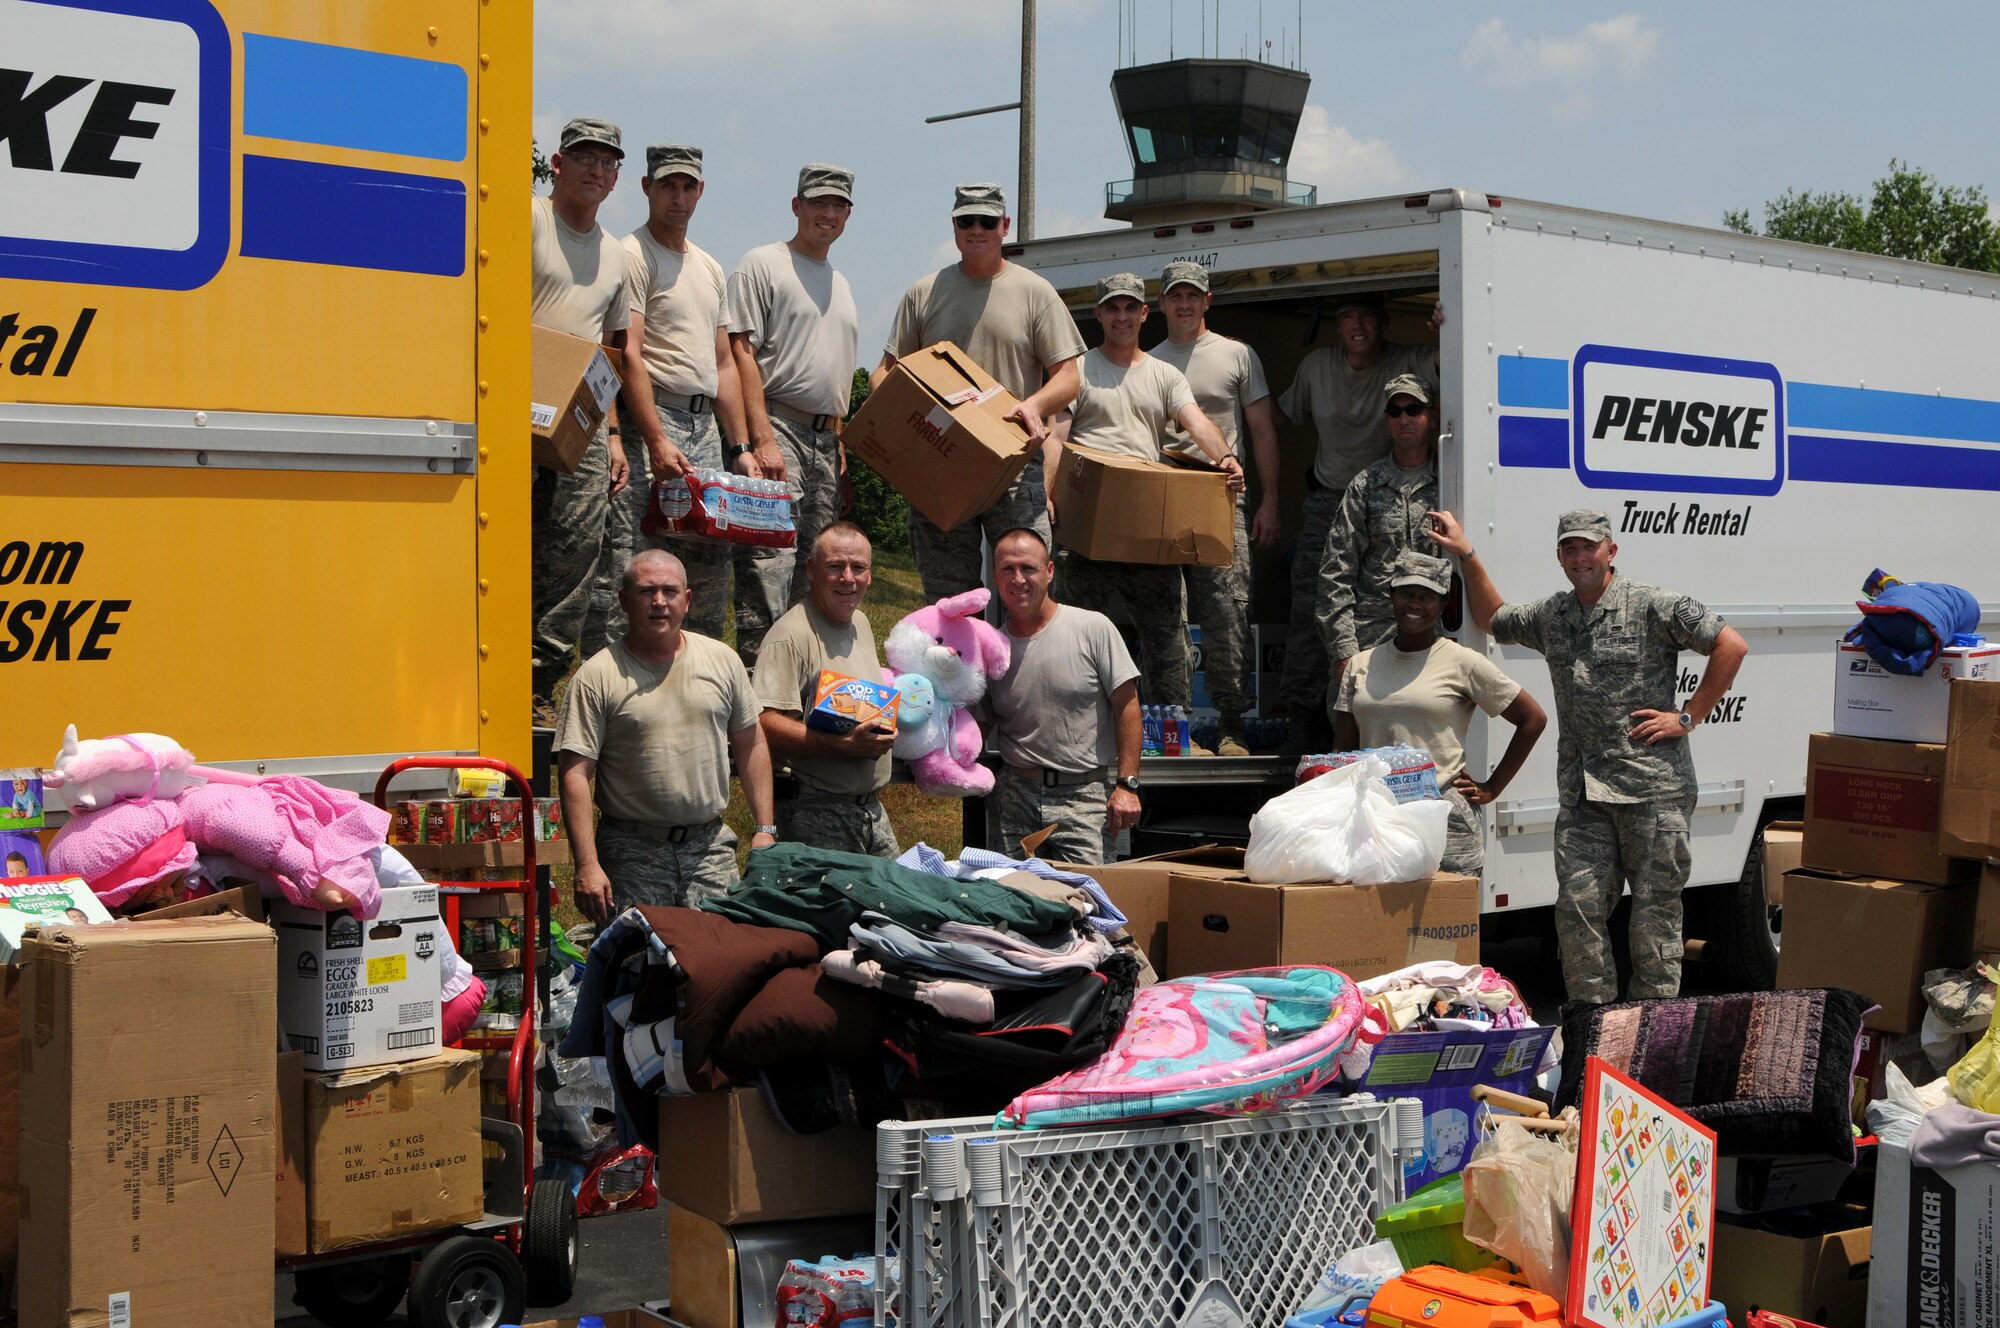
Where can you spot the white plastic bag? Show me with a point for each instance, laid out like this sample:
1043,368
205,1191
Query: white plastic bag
1346,826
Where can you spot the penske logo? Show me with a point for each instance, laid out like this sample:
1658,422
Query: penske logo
1663,421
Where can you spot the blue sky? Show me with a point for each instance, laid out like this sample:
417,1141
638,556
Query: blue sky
1669,111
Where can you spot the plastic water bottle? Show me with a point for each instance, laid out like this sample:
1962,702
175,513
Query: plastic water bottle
1153,738
1170,719
1181,723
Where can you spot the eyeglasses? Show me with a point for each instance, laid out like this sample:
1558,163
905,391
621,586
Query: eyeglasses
983,223
1397,412
602,161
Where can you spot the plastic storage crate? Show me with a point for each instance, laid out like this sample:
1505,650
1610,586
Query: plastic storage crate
923,1224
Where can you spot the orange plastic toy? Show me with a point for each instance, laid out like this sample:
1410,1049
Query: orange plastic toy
1447,1298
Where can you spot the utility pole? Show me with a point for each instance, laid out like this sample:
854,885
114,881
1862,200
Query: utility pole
1024,192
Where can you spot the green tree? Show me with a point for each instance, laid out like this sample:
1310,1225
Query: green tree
878,508
544,174
1908,215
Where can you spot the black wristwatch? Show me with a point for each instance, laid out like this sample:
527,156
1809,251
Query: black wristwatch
731,453
1130,783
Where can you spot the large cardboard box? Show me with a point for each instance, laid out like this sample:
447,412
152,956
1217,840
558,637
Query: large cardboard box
1440,1070
933,429
1123,509
732,1162
392,1150
1363,930
1784,843
702,1271
354,993
1969,815
1139,886
148,1115
571,385
1871,702
1937,1231
292,1235
1872,810
1876,937
1812,1264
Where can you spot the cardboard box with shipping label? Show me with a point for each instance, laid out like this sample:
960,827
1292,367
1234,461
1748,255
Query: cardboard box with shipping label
354,993
1969,813
842,704
1872,810
1875,937
148,1114
1123,509
1362,930
1811,1264
393,1150
571,387
933,428
1140,889
1871,702
734,1163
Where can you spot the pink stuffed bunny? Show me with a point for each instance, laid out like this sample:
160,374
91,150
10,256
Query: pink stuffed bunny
940,658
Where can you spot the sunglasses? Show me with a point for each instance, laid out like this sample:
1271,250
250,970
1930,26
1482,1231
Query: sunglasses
983,223
1397,412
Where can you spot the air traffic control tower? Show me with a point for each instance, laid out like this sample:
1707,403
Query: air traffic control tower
1208,138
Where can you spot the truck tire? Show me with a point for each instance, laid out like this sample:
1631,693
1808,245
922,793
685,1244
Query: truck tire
1740,927
359,1294
549,1244
467,1282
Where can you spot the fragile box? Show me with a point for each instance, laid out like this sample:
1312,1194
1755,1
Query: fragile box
392,1150
1139,887
1125,509
933,428
1969,817
571,387
148,1109
1875,937
354,993
1362,930
733,1162
1871,702
1872,810
1812,1264
1440,1070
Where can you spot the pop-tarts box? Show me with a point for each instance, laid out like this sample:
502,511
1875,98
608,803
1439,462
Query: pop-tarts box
1440,1070
841,704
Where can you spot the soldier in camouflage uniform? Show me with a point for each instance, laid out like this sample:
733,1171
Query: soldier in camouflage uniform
1623,769
1385,510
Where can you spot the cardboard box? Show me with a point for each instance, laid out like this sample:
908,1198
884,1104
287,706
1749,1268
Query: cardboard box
702,1271
1784,842
1871,702
1761,1184
291,1207
842,704
933,429
571,385
1362,930
148,1110
1876,937
354,993
1934,1244
1813,1265
1872,810
732,1162
10,1110
30,901
1123,509
488,855
1440,1070
1139,886
392,1150
1969,813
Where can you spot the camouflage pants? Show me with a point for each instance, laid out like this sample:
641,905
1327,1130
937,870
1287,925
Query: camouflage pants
776,581
1464,837
1304,688
567,515
1219,600
1078,812
837,821
952,562
1601,846
1150,599
707,563
646,868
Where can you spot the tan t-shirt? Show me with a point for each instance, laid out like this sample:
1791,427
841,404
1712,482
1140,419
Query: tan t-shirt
797,647
684,298
802,325
585,282
1424,699
1053,707
660,737
1012,324
1345,405
1225,376
1127,410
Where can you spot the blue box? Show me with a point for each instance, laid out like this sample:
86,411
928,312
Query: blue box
1440,1070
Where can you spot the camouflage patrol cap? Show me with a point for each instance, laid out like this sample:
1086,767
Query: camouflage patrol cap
1368,300
1584,523
1184,272
1121,283
664,159
820,180
586,129
1407,385
979,200
1420,569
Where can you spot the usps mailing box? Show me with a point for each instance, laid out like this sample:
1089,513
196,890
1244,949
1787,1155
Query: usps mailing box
1871,702
354,993
1125,509
571,387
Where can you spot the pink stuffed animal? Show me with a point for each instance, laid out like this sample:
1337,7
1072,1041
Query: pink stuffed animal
135,767
940,658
